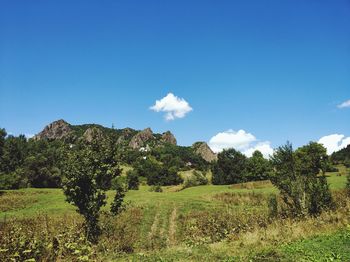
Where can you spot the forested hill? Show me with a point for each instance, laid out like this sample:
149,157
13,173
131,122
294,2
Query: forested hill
342,156
41,160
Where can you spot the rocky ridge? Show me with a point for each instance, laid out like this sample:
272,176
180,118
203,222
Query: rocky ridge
202,149
126,137
56,130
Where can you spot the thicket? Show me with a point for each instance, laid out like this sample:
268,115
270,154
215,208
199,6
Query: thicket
133,180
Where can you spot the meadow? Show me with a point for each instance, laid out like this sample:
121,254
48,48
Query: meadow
210,223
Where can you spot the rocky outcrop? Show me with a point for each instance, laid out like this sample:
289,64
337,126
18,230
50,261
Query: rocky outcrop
56,130
140,139
126,134
202,149
168,137
93,133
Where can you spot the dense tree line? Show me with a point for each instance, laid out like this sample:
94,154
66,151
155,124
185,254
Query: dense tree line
234,167
40,163
30,163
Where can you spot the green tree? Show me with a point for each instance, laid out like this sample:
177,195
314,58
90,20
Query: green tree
300,178
14,153
230,168
258,168
88,174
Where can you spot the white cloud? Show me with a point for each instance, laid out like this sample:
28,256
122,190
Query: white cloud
334,142
344,104
173,106
240,140
29,135
264,147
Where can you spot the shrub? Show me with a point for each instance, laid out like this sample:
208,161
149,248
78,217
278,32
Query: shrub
12,180
132,180
156,188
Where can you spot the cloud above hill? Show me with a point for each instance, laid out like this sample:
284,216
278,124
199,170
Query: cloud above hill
173,106
240,140
344,104
334,142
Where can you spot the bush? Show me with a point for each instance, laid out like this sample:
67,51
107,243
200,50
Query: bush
156,188
195,179
12,180
132,180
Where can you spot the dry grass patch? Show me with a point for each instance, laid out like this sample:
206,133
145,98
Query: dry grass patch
253,185
240,199
15,200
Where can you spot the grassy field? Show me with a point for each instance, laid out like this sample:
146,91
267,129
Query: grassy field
173,225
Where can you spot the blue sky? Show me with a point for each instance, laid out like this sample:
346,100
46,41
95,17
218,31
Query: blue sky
275,69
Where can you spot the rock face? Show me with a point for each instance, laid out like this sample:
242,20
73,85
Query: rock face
141,138
168,137
93,133
202,149
56,130
126,135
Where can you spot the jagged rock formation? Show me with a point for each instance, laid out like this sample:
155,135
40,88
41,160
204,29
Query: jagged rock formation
140,139
126,138
93,133
56,130
168,137
126,135
202,149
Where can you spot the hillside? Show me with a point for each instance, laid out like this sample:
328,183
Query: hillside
342,156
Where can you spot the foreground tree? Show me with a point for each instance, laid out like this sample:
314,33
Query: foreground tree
230,168
300,177
88,175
